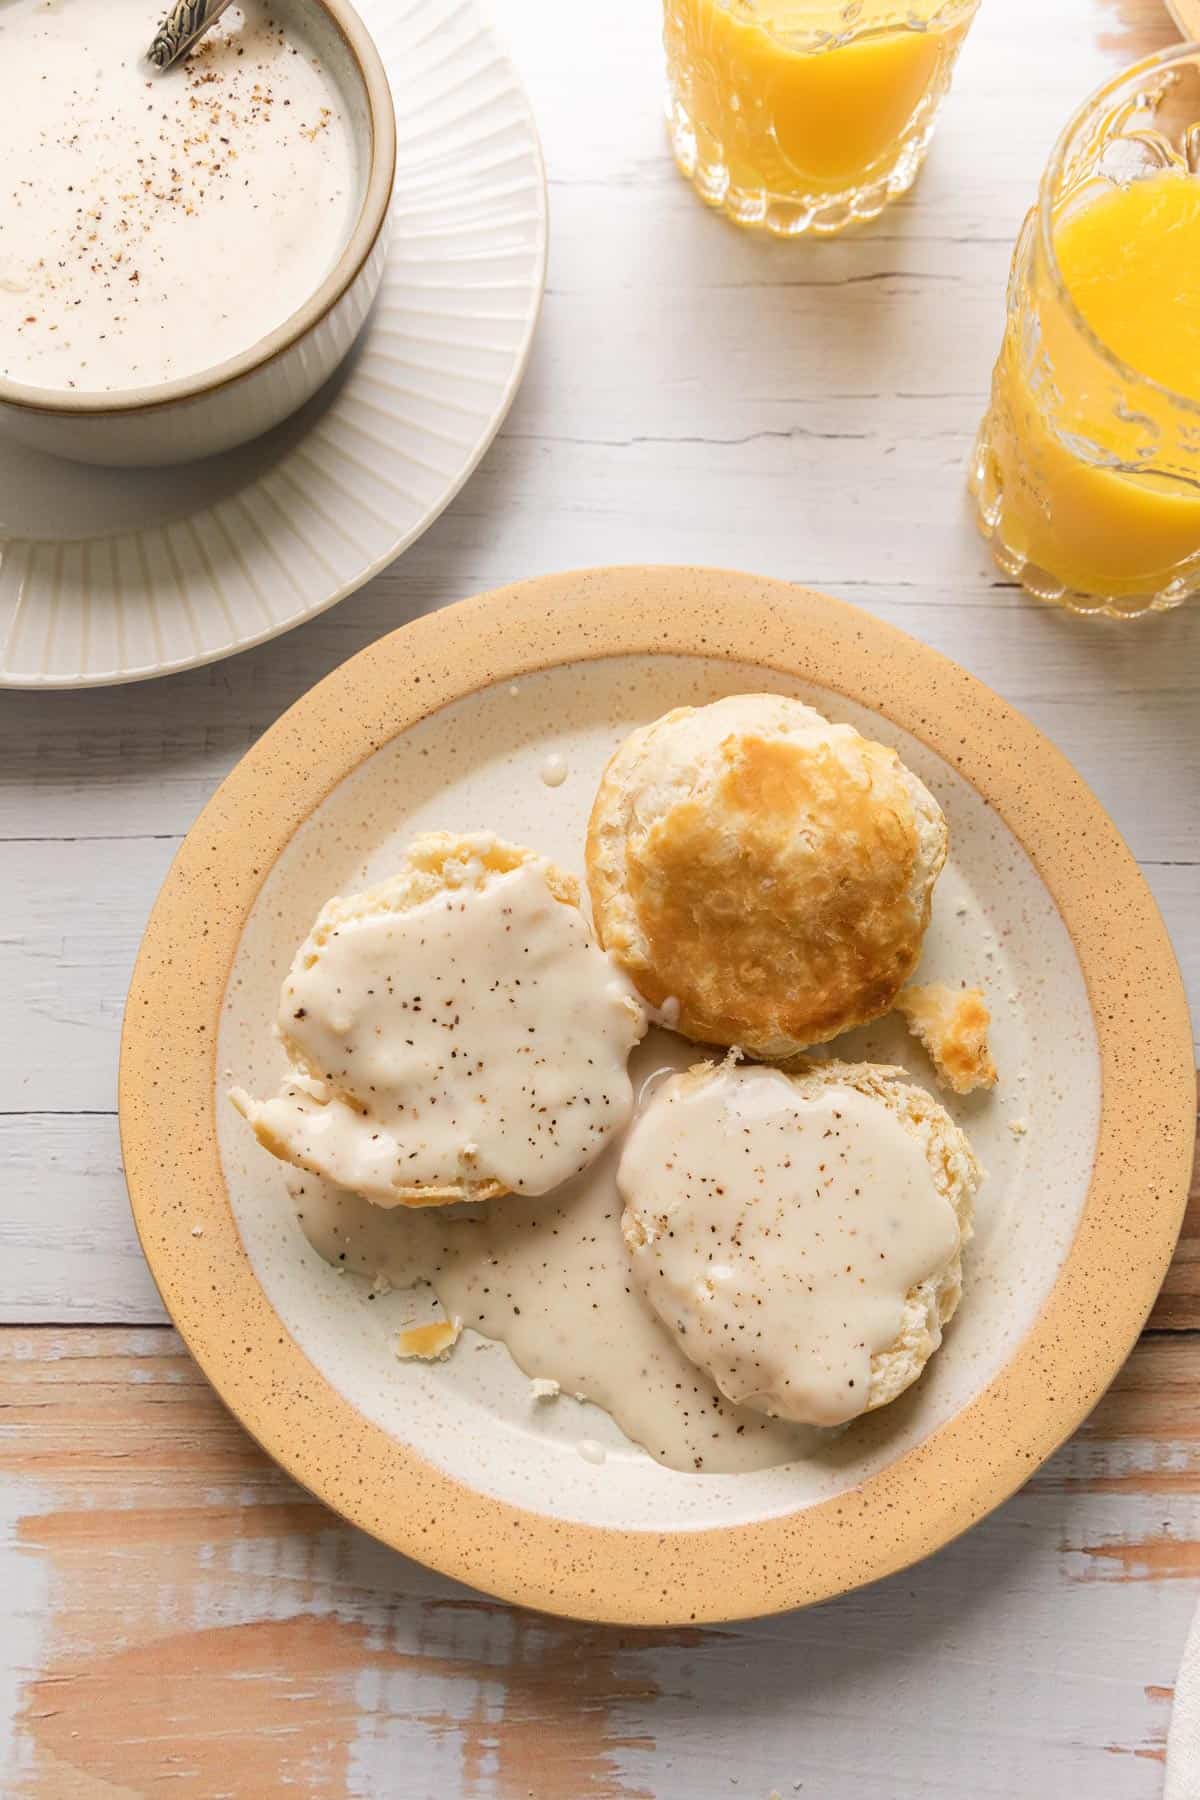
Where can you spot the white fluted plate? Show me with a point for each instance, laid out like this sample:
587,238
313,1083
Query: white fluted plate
117,575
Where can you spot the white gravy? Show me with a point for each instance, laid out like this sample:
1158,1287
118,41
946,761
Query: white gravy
482,1036
777,1233
551,1280
154,225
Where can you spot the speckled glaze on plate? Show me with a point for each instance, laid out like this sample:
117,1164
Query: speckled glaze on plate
454,718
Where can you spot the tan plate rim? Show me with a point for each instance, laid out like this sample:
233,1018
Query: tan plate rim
1104,1291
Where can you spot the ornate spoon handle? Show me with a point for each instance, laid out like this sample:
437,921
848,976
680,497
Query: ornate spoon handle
183,27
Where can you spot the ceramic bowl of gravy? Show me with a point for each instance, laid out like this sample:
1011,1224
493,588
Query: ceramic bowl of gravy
185,256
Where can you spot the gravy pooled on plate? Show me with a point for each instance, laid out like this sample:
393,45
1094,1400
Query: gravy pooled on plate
549,1278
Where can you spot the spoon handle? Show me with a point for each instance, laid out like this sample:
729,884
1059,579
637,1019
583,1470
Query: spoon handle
183,27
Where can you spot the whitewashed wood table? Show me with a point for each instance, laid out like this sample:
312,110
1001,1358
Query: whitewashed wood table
176,1616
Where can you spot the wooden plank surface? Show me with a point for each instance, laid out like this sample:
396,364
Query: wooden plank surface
178,1617
187,1621
1178,1306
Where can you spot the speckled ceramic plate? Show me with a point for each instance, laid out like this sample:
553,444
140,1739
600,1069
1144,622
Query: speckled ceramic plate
115,575
1087,1142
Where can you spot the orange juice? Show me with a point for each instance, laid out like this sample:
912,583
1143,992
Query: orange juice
1130,261
1087,470
788,116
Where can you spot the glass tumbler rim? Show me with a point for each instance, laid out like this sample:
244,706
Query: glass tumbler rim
814,39
1047,193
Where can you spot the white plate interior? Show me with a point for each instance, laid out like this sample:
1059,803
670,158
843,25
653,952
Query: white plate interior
113,575
477,765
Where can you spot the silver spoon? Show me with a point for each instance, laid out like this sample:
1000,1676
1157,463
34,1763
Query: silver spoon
183,27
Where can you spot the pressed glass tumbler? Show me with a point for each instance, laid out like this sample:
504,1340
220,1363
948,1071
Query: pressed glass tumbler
804,115
1086,472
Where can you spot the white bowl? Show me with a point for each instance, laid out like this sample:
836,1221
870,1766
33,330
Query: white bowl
236,400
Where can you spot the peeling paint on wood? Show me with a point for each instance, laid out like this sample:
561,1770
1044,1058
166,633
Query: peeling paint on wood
1132,29
1158,1558
1178,1306
197,1624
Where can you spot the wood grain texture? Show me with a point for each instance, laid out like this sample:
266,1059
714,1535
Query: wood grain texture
1178,1307
185,1620
178,1617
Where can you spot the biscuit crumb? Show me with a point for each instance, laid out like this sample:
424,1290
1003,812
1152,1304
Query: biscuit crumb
952,1025
429,1343
1018,1127
542,1388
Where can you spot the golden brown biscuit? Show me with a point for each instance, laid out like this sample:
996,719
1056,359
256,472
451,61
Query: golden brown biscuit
766,870
952,1024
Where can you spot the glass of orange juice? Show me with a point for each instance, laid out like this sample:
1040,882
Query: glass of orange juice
805,115
1086,473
